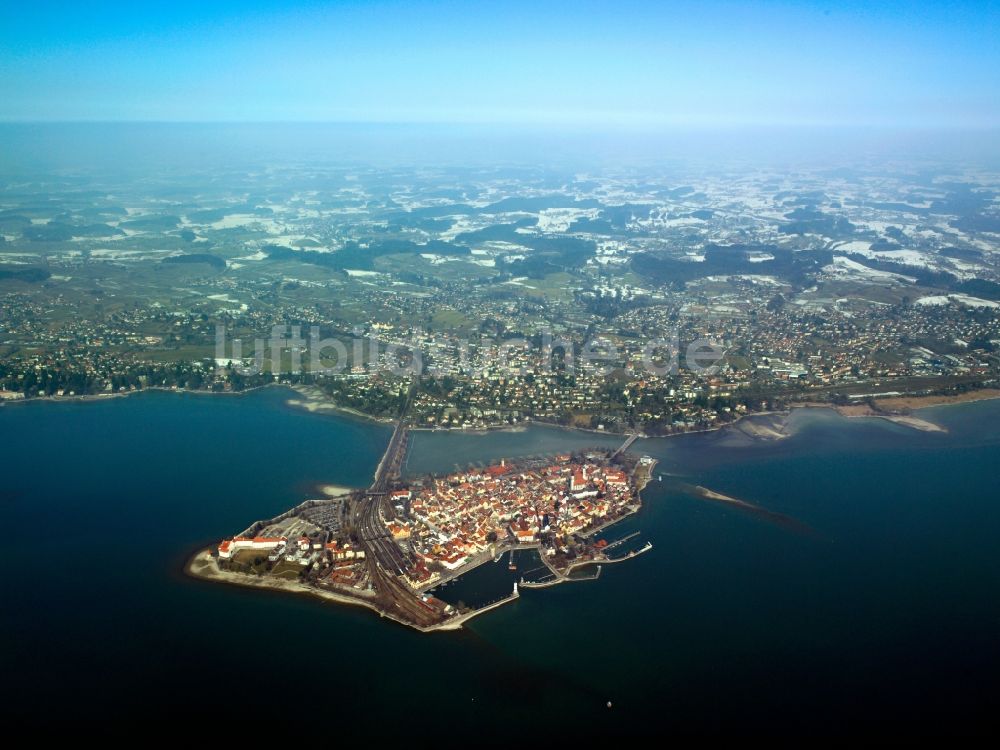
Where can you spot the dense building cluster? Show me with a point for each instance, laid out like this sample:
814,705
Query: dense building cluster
451,520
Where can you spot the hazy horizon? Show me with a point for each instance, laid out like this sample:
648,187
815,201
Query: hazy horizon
139,146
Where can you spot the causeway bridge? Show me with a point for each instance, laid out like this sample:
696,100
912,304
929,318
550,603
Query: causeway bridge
626,445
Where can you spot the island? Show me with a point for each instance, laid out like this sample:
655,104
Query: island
386,548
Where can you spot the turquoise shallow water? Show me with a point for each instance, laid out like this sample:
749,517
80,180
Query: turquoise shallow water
881,612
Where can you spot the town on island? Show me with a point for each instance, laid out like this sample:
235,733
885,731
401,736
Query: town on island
391,546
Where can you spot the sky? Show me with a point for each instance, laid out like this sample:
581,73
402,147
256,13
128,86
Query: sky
589,64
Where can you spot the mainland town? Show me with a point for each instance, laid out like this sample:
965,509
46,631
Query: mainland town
811,289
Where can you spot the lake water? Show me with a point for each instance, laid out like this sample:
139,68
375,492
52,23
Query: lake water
880,611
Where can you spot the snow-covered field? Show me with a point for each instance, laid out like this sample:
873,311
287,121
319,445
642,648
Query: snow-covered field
846,268
959,299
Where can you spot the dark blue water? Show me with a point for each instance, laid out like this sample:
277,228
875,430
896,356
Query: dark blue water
881,615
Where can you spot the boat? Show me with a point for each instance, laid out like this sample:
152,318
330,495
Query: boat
511,565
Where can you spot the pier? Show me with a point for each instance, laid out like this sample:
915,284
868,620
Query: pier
624,539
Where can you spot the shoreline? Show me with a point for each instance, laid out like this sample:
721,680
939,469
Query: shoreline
335,490
930,402
312,403
202,566
897,409
87,397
